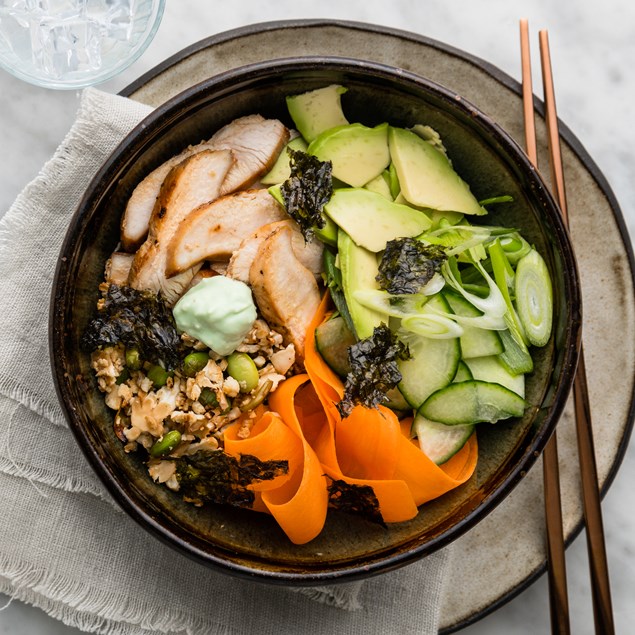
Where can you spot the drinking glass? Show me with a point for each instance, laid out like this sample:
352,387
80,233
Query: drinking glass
74,43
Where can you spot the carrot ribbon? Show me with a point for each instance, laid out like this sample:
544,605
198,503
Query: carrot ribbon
369,447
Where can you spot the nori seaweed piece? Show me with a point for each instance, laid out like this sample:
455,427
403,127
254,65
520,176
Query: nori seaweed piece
374,370
408,264
135,318
355,499
217,477
307,190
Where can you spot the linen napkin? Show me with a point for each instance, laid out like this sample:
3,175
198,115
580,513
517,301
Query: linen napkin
66,546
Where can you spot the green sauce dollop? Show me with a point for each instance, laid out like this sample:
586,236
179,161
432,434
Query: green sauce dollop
218,311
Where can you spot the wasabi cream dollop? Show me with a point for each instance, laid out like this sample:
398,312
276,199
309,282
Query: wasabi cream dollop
218,311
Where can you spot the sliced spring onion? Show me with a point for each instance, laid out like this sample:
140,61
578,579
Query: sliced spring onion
505,198
394,305
515,247
475,241
490,230
534,298
477,252
492,305
487,322
503,274
432,325
333,279
460,238
434,285
515,356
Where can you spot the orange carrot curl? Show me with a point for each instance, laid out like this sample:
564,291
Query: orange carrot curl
369,447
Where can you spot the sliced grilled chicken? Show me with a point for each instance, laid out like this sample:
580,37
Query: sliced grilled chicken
309,254
192,183
118,267
256,143
215,231
201,274
284,289
136,218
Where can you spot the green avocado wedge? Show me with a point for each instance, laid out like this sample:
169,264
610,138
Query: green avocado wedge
281,169
318,110
426,177
359,268
358,153
371,220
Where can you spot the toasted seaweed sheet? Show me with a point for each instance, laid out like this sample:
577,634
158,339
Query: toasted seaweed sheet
359,500
407,264
307,190
217,477
138,319
374,370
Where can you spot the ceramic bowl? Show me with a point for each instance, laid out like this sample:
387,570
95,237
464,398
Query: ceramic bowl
249,544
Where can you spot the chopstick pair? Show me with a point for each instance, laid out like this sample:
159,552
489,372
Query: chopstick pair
600,587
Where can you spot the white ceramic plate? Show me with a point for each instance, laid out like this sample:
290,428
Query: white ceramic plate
505,552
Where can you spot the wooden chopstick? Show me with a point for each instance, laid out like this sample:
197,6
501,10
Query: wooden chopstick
556,566
600,586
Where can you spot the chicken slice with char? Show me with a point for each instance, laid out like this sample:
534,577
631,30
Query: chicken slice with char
118,268
256,143
285,291
192,183
308,253
214,231
136,217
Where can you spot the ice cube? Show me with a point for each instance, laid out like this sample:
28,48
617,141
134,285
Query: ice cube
61,7
115,17
62,47
14,34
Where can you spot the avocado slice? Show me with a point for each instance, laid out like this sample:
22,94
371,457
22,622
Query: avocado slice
393,180
358,153
281,171
380,185
318,110
426,177
371,220
359,268
327,234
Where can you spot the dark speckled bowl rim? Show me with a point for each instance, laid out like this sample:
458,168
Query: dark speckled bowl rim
315,579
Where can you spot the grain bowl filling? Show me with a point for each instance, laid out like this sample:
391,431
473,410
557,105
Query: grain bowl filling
312,318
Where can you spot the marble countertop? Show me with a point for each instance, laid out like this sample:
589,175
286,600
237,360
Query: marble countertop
592,50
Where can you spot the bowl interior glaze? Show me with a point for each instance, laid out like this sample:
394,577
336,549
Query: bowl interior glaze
250,544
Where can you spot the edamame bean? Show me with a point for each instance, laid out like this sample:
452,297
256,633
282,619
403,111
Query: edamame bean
133,359
242,368
158,375
195,362
166,444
